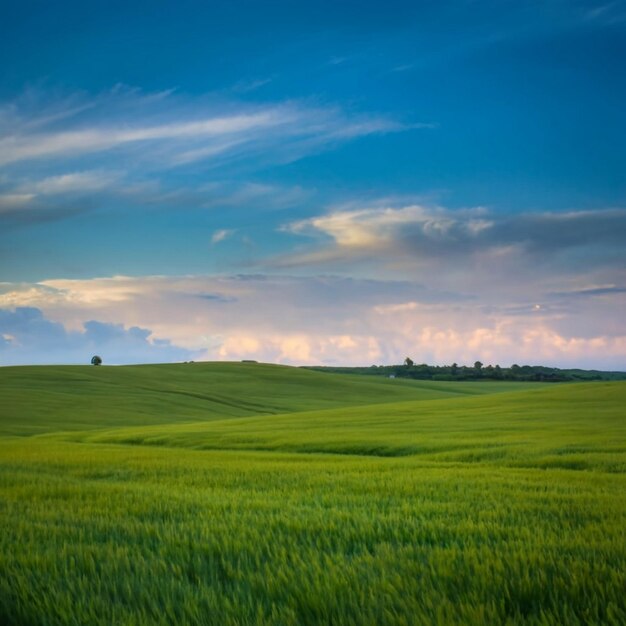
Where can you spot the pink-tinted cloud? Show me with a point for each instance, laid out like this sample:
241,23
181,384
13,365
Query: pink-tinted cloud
335,320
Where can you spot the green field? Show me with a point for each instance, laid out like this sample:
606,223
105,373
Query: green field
252,494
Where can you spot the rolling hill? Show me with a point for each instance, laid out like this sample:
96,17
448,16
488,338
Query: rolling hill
235,494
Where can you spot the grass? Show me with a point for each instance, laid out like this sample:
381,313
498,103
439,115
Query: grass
401,504
42,399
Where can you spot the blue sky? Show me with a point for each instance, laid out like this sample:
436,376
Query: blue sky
343,182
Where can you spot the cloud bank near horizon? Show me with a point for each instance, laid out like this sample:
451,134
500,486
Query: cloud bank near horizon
303,320
28,338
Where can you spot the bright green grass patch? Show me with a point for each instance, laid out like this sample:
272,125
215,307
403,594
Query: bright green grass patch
570,426
121,535
45,399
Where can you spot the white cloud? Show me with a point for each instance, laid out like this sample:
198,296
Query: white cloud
380,227
335,320
221,235
76,142
144,146
72,182
473,250
178,130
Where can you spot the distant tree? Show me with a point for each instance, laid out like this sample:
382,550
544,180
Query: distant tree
96,360
408,361
454,368
478,365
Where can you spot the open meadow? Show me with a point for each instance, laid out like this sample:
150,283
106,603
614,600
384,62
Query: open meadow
242,493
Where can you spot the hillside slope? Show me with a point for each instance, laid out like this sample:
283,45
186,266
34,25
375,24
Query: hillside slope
48,398
580,426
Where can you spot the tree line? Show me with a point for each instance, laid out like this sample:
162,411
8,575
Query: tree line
477,371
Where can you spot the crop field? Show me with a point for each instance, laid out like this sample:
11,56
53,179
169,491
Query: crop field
235,494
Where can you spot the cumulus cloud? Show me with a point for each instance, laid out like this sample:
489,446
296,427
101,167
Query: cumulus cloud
419,231
28,337
476,249
383,228
335,320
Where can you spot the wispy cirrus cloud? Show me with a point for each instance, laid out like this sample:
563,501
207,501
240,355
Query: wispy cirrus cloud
52,194
69,143
221,235
175,129
592,291
72,182
15,201
246,86
607,13
150,147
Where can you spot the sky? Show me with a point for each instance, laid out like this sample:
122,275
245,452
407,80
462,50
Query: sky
338,183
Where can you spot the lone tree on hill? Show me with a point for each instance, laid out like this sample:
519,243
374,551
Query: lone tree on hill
408,361
96,360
